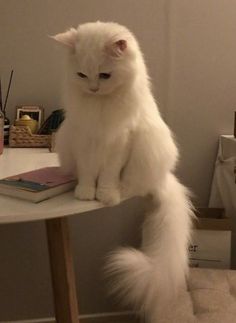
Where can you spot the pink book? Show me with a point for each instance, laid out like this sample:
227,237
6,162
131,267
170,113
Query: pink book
37,185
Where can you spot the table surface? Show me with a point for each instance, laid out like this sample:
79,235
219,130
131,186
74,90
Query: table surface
18,160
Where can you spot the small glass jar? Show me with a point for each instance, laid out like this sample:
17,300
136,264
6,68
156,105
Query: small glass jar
1,132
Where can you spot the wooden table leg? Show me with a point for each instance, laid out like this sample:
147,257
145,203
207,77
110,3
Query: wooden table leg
62,270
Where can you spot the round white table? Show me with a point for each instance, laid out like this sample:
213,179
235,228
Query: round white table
54,212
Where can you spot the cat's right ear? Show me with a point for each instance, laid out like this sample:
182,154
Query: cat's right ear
67,38
116,49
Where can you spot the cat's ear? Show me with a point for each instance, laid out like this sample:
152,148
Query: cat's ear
67,38
117,48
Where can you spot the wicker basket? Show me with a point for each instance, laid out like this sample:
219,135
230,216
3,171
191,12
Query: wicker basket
21,136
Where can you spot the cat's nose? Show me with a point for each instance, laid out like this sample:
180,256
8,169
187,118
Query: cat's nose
94,89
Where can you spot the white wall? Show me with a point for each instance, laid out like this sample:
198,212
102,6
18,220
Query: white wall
202,82
190,50
25,46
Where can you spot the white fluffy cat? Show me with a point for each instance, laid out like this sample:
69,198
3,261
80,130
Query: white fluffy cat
116,142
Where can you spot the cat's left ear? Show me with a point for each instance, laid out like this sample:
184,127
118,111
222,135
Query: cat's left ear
67,38
117,48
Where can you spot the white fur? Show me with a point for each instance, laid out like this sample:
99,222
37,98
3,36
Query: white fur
117,144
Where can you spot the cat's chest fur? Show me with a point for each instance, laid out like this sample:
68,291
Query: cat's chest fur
98,127
101,119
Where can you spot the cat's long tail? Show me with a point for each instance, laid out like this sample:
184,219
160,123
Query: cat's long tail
149,278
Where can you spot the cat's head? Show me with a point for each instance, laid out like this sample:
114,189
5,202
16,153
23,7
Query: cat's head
102,57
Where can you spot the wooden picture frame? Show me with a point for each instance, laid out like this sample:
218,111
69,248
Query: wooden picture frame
35,112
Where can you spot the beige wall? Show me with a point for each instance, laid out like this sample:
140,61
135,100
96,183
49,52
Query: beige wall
190,50
202,82
26,47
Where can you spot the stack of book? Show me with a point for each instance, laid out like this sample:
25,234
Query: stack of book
37,185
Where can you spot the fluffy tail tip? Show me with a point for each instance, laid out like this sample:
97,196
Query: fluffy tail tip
130,272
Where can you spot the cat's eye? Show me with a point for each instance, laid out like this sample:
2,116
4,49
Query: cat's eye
104,76
83,76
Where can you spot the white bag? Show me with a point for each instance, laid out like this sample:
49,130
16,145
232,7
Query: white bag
223,192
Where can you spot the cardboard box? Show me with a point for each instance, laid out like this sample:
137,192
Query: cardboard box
211,241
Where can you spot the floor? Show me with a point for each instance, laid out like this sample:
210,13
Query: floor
121,319
117,319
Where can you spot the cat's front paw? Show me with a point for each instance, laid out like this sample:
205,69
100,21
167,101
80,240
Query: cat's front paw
108,196
86,193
